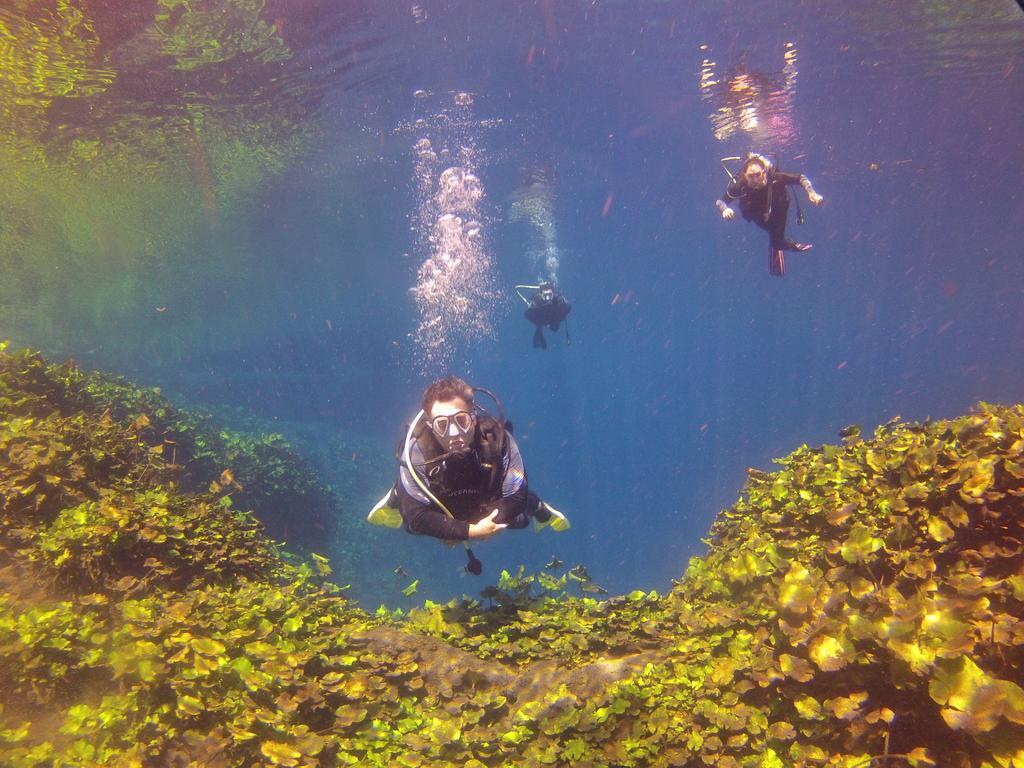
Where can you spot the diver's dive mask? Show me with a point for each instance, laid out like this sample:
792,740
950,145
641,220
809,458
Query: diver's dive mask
454,431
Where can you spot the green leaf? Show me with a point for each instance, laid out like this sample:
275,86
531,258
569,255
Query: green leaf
207,646
279,753
859,544
973,701
831,653
939,529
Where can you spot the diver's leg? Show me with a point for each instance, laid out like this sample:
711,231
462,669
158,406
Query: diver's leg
777,228
545,515
521,519
386,511
538,339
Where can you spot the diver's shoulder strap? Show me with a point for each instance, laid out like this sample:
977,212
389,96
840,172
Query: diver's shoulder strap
493,445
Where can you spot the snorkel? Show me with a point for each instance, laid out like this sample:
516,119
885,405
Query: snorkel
729,173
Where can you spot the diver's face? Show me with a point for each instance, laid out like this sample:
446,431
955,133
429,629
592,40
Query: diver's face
453,422
755,176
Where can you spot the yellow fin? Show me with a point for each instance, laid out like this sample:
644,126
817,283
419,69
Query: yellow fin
384,513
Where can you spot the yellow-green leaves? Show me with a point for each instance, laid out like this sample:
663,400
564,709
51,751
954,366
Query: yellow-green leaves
972,700
798,588
279,753
207,646
979,477
322,565
860,544
831,652
861,588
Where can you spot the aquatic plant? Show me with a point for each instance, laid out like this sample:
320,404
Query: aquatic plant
131,135
265,474
859,607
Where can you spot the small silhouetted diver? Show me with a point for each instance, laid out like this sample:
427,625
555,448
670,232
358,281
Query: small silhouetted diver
545,307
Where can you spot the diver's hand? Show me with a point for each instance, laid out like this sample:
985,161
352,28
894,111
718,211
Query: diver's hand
728,214
815,198
486,527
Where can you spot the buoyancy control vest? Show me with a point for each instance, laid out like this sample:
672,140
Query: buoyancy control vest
469,477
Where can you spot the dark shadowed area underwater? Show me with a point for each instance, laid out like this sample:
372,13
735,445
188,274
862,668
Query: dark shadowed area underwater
250,206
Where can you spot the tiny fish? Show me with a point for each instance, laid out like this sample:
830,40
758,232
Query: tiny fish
580,573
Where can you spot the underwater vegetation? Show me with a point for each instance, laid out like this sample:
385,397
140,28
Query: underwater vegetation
131,135
264,474
858,607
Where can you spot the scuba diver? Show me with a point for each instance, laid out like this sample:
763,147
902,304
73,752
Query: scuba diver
761,189
461,476
545,307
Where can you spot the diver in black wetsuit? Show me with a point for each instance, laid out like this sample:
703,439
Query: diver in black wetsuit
462,477
545,307
764,200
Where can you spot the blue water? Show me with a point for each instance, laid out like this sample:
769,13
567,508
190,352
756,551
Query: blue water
688,362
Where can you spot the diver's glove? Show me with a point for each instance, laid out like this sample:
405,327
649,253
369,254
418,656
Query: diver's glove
813,196
726,211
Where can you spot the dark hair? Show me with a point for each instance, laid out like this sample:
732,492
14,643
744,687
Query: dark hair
446,389
751,161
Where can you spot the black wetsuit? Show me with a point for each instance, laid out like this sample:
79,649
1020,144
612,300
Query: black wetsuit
550,313
469,489
766,207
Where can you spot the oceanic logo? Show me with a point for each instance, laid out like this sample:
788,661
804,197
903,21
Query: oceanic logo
454,292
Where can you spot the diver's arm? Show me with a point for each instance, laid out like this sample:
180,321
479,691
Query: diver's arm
421,515
732,192
427,519
813,196
792,179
